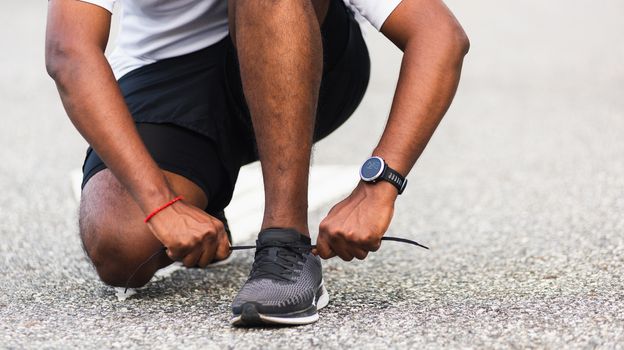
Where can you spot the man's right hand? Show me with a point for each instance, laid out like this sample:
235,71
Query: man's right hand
190,235
76,38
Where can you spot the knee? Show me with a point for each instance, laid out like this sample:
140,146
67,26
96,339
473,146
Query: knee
462,42
457,42
116,265
113,234
120,273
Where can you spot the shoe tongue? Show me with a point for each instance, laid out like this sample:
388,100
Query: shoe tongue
283,235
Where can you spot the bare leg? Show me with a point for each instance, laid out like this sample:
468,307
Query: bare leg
280,53
113,233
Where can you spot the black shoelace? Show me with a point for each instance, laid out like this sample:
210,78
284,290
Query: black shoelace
290,256
277,260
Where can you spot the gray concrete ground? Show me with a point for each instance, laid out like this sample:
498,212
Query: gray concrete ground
520,195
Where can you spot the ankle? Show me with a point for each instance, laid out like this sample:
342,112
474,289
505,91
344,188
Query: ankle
293,218
302,229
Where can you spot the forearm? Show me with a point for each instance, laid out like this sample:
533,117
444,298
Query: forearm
96,107
429,76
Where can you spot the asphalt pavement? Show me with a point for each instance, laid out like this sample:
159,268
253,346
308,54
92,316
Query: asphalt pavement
520,195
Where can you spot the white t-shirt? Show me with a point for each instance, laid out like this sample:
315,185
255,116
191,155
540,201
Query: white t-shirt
153,30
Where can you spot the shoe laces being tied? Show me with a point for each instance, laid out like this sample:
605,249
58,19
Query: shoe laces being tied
313,246
278,260
274,259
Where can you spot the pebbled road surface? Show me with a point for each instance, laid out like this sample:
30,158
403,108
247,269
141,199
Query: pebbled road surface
520,195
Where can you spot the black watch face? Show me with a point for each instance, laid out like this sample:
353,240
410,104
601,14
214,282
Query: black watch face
372,169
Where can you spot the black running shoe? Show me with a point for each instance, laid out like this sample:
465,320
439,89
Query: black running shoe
285,286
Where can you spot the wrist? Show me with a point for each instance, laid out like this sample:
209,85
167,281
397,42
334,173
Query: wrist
163,207
162,215
380,191
154,195
375,170
394,159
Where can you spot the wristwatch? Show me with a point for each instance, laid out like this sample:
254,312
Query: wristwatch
375,169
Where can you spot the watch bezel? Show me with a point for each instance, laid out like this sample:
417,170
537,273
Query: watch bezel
378,174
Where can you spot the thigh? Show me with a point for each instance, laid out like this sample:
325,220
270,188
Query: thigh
191,159
189,92
346,70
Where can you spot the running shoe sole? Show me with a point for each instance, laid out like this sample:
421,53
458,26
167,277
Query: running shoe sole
250,316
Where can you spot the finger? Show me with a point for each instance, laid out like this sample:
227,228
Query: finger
208,253
322,248
178,253
344,255
373,247
223,248
360,254
191,259
205,259
340,247
170,254
370,244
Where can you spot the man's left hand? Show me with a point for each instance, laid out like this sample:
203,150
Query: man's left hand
354,227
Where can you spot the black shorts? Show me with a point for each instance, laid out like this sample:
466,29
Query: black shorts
191,113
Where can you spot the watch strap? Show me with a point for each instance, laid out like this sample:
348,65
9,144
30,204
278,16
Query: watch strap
394,178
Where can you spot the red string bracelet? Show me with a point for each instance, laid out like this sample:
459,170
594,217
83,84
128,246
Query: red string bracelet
168,204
